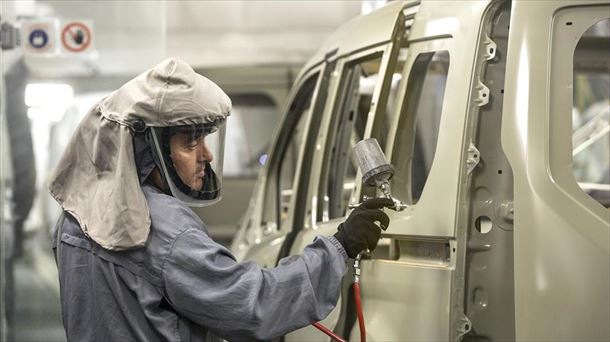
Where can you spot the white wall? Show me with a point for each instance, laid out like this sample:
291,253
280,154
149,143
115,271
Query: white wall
131,36
253,32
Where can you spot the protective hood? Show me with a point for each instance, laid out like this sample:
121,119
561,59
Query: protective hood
97,181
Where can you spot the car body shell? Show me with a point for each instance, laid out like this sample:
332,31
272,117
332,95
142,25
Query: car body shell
502,159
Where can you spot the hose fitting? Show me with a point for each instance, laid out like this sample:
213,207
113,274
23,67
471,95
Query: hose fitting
356,271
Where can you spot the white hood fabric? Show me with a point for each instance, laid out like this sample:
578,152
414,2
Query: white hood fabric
96,180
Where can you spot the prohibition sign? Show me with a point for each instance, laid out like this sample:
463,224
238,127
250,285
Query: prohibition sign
76,37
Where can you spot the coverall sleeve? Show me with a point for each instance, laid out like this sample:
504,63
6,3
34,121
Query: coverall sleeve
243,301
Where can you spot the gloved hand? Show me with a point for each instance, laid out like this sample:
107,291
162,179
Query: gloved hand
359,232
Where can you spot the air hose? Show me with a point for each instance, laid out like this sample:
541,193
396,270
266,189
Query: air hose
358,302
328,332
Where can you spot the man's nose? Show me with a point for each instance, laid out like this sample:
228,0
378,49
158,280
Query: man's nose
204,153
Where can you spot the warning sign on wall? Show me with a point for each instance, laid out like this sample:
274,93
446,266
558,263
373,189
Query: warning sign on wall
76,36
39,36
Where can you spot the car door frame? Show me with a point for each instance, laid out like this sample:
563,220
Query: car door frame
441,317
254,239
310,228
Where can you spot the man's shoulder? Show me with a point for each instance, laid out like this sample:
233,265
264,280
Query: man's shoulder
169,216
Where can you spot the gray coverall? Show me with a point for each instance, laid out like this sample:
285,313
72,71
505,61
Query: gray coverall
182,284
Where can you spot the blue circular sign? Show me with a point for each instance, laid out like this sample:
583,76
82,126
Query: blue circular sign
38,38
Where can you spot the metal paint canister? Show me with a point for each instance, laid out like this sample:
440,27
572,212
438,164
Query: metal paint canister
375,168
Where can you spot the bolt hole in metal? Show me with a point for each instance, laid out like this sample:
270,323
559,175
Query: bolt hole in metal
491,50
484,95
499,172
569,23
502,91
483,224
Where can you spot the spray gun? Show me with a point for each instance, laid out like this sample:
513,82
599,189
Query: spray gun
376,171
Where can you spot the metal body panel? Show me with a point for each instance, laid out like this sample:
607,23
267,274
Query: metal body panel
265,252
434,215
542,274
322,137
442,18
402,302
252,239
488,268
562,264
359,33
311,227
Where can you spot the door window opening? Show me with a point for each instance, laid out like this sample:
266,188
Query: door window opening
278,192
418,126
591,112
347,128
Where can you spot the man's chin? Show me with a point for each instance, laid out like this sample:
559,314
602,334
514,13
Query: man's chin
197,185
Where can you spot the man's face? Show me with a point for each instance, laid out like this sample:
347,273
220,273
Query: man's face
190,155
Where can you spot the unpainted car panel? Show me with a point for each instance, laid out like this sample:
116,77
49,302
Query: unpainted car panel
562,266
380,51
416,287
359,33
434,217
382,19
375,308
434,214
255,241
311,226
403,302
445,17
439,316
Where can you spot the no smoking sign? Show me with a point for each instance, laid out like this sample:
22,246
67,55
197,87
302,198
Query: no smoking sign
76,36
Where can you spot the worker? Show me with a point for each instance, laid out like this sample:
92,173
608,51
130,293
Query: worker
137,264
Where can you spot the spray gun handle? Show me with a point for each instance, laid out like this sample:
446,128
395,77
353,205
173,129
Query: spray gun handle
398,205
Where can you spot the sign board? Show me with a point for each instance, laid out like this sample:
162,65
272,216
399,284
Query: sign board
39,37
76,36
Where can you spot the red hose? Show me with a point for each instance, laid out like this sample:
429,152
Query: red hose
358,302
328,332
359,311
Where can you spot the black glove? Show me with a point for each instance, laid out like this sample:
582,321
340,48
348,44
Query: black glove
359,231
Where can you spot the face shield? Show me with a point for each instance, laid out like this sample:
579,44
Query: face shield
191,158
